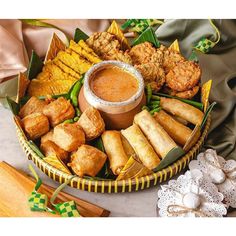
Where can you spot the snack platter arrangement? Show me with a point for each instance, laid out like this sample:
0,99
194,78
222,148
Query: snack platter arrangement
111,114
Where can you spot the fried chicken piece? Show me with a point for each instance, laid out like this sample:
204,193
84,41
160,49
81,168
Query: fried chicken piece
107,47
170,58
152,74
144,53
184,76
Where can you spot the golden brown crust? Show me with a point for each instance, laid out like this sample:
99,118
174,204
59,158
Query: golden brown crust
144,53
108,47
50,148
58,111
114,150
92,123
153,74
188,94
35,125
47,137
87,160
68,136
33,105
183,76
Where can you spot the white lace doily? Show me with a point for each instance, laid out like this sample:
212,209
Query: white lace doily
191,195
221,172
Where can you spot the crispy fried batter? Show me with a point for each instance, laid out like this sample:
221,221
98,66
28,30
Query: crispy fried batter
144,53
183,76
170,58
107,47
152,74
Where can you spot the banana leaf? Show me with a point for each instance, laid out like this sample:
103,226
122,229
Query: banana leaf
80,35
148,35
207,113
172,156
14,107
35,66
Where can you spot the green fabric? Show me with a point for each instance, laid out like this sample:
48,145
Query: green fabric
220,66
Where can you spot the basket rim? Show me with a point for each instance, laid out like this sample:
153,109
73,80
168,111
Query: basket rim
110,183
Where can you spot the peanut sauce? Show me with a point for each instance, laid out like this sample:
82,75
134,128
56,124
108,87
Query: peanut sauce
114,84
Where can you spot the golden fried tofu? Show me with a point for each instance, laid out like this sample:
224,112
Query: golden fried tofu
144,53
92,123
87,160
35,125
33,105
153,74
49,148
68,136
184,76
47,137
58,111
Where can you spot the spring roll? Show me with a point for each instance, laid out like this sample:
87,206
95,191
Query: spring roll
114,150
142,147
183,110
158,137
177,131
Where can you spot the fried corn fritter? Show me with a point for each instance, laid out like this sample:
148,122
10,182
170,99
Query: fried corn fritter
153,74
184,76
107,46
148,61
144,53
59,74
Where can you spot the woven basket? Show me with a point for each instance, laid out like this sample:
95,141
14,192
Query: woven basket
113,186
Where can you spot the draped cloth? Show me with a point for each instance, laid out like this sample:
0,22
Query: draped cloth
17,41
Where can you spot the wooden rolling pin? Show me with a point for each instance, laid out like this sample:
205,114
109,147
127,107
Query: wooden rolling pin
16,186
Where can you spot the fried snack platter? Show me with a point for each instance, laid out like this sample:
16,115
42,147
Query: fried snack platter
166,133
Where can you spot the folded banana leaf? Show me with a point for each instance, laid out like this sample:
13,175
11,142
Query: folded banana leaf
172,156
148,35
80,35
35,66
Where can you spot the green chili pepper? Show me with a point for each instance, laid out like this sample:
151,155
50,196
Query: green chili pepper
145,108
76,119
75,92
69,121
154,102
151,107
78,112
149,92
152,112
155,97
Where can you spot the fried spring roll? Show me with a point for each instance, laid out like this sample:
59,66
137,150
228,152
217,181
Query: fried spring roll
177,131
114,150
158,137
142,147
183,110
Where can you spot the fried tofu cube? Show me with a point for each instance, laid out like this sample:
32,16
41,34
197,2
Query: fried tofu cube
58,111
47,137
92,123
87,160
68,136
33,105
50,148
35,125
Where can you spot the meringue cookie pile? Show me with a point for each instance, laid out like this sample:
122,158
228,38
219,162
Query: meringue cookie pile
207,190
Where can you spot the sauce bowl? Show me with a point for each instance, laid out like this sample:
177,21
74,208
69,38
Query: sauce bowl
117,115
